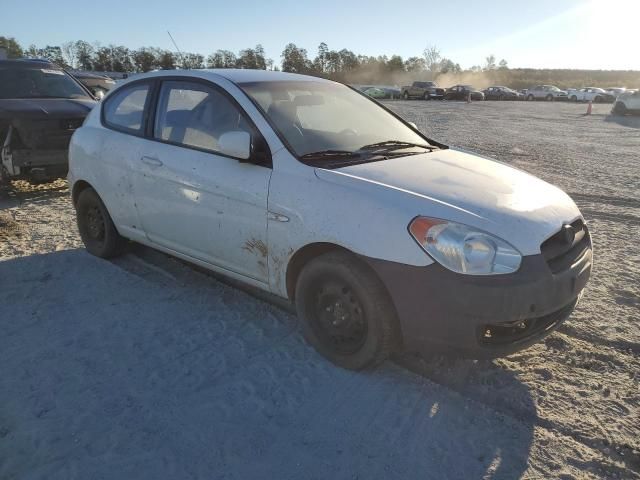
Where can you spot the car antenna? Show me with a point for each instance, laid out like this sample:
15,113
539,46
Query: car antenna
177,48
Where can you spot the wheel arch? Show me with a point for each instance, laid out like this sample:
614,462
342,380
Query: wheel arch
78,187
302,257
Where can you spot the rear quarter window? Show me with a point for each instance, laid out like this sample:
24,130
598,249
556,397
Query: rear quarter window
124,109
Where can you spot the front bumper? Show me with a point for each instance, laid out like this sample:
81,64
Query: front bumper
481,316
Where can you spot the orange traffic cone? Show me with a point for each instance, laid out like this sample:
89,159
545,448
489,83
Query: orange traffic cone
589,108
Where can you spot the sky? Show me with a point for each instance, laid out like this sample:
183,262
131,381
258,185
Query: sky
589,34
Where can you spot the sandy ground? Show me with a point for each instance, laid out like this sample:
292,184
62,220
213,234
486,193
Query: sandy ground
147,368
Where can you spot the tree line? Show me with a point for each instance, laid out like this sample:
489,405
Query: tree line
341,65
337,64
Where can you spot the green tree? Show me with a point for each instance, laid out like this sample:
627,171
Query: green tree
222,59
166,60
84,55
294,59
13,48
144,60
415,64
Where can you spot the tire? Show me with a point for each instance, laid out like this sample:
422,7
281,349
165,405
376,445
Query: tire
501,97
530,98
549,98
426,96
574,98
405,95
598,99
620,108
97,231
337,288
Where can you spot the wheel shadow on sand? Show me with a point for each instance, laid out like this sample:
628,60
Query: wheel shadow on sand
138,370
632,121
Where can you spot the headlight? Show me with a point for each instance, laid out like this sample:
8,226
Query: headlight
464,249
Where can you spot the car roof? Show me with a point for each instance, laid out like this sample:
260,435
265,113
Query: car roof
29,63
234,75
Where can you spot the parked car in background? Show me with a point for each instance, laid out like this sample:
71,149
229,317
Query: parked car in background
590,94
98,84
375,92
392,92
382,93
546,92
462,92
272,179
424,90
501,93
615,91
40,107
627,102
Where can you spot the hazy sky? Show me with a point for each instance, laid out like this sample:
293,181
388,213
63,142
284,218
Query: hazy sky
537,33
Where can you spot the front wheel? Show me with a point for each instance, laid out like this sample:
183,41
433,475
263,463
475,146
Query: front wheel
345,311
97,230
620,108
549,98
405,95
426,96
530,98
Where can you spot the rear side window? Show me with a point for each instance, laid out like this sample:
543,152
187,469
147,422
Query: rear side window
195,115
124,110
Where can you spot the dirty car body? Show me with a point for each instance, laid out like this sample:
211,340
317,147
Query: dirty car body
464,253
40,108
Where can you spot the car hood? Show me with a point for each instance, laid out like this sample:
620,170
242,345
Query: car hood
45,108
466,188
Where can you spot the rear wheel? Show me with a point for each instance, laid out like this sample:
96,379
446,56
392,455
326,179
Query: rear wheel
345,311
530,98
574,98
426,96
97,231
549,98
598,99
405,95
501,97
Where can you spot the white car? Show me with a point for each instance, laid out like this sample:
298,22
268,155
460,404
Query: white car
627,102
546,92
382,238
590,94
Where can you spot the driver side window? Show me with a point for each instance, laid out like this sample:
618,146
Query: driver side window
195,115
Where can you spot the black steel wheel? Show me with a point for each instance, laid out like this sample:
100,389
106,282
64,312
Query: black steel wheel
338,318
345,311
96,228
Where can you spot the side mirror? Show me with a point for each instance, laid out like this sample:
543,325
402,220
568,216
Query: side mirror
235,144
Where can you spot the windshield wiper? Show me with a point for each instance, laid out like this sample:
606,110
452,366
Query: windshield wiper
330,154
390,145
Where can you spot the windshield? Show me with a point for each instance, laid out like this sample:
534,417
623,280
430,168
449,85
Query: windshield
38,83
327,117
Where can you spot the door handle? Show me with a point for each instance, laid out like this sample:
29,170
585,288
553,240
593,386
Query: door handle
152,161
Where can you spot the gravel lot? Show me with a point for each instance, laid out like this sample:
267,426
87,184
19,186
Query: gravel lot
147,368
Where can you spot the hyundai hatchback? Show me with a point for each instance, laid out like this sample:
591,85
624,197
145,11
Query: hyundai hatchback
382,238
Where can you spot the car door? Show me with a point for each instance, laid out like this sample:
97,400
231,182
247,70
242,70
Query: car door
191,196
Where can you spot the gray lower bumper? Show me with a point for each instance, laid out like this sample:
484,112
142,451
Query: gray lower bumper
442,310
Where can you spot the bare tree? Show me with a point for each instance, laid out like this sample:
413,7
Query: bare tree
432,58
490,62
70,54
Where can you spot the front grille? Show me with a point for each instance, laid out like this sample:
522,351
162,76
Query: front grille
522,330
565,247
